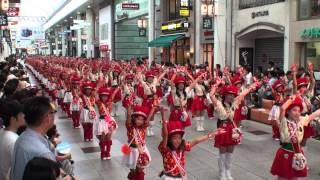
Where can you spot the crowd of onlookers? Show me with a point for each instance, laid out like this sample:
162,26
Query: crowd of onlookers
28,136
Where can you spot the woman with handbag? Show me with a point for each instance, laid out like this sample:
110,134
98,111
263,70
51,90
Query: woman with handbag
225,110
290,162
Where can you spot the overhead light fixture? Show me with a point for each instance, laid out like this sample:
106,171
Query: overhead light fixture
65,20
71,17
89,6
78,12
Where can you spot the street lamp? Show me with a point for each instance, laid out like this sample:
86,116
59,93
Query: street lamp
142,25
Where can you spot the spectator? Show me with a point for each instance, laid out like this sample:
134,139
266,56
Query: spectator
10,88
218,70
64,159
289,82
247,76
39,116
41,169
13,118
271,66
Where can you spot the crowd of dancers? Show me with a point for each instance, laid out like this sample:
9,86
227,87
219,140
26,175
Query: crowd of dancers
91,92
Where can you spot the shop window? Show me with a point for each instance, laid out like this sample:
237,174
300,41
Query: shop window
180,52
309,9
174,6
208,54
313,54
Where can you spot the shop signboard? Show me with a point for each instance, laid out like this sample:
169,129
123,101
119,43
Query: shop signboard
131,6
207,22
142,32
310,33
3,19
126,10
13,11
175,26
184,8
104,47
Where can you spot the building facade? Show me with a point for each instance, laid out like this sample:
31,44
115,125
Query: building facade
305,32
260,31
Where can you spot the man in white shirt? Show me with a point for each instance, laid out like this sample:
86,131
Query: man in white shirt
13,118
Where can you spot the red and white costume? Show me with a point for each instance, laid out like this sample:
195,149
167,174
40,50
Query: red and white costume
106,123
76,103
179,102
139,156
285,164
174,160
88,115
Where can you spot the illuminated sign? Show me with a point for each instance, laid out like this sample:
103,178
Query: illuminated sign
311,33
131,6
175,26
184,8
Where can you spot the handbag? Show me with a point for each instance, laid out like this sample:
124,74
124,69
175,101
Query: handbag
299,161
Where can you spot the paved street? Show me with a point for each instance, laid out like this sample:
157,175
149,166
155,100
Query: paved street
252,159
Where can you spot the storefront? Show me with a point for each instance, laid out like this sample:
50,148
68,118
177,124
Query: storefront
176,40
305,34
259,35
105,32
130,40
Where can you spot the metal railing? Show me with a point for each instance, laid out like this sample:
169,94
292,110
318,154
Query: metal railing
244,4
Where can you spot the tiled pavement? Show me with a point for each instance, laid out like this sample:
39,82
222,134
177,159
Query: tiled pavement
252,159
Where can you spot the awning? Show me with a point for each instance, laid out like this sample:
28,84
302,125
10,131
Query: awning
164,41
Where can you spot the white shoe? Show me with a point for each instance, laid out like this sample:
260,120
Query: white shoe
228,175
151,132
148,132
198,127
201,125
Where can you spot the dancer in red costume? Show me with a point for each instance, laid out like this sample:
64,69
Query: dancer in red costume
290,162
225,110
139,156
106,125
173,148
88,114
76,103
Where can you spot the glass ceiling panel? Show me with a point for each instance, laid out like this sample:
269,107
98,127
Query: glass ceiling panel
40,8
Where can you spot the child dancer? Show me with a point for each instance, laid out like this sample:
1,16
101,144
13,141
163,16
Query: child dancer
106,125
88,114
75,105
225,110
139,156
290,162
173,148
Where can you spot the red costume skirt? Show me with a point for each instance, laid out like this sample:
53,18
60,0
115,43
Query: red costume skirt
126,102
159,92
148,102
308,132
140,90
225,139
170,100
177,115
282,165
117,97
198,104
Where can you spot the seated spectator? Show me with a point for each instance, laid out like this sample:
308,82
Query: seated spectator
41,169
10,88
39,116
13,118
64,159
